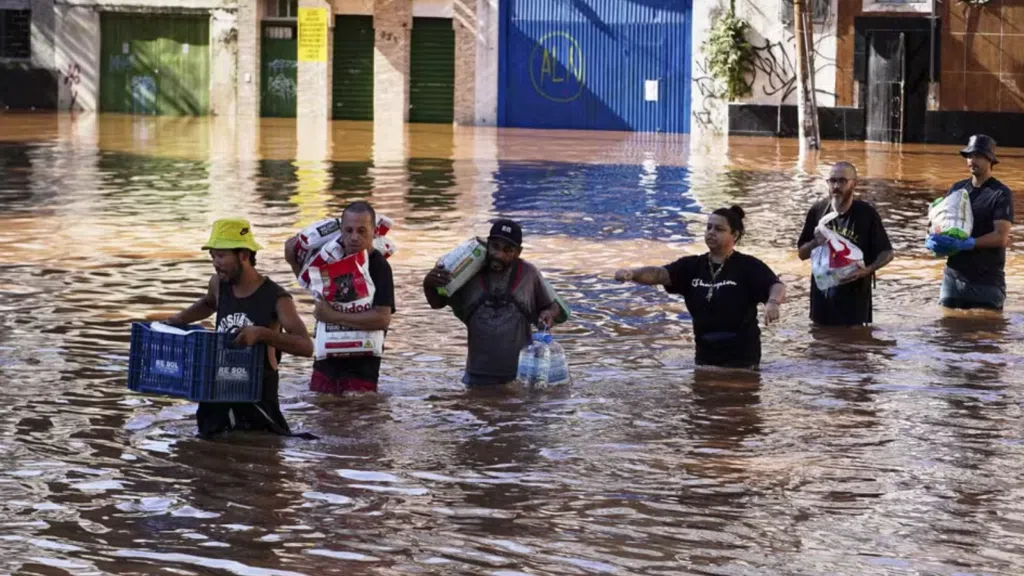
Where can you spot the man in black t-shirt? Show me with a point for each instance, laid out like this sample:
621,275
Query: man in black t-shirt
358,373
974,276
848,304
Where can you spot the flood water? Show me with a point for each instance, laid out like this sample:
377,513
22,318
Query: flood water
897,449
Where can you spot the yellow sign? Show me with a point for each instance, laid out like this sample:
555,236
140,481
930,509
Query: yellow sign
313,34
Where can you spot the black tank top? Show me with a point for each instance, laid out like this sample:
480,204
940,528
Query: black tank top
257,309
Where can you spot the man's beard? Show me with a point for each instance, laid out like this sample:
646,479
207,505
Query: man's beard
496,265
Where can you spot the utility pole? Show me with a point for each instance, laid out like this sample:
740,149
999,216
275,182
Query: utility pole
806,110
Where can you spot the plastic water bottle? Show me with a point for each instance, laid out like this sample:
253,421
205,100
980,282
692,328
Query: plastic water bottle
527,371
559,371
542,363
542,342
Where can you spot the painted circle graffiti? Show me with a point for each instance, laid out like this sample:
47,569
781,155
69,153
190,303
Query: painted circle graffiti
556,67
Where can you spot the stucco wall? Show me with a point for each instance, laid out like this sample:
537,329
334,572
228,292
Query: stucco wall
774,78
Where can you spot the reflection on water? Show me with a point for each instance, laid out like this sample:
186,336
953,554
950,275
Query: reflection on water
891,449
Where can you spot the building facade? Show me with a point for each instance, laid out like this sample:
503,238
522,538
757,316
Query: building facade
593,64
884,70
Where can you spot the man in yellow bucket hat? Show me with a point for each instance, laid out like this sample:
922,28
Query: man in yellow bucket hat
259,309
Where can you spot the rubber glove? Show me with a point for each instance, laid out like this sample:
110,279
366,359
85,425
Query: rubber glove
945,245
965,245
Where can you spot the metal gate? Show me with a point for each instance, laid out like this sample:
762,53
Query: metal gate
155,64
595,64
353,68
432,71
886,103
278,77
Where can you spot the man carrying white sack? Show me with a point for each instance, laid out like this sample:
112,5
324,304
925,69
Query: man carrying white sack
974,276
498,306
359,373
850,303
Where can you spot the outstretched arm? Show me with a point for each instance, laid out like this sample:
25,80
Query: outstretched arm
649,275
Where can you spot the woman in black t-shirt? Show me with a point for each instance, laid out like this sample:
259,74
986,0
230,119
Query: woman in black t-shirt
722,289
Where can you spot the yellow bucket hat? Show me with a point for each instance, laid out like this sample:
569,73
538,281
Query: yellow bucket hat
231,233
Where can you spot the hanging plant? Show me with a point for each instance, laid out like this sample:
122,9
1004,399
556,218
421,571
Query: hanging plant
730,57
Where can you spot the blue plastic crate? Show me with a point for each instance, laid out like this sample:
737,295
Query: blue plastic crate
201,366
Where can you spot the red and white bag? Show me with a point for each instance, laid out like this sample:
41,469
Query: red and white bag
328,254
384,224
347,286
313,238
835,262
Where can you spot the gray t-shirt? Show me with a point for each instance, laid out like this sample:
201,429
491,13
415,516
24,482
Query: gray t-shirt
499,329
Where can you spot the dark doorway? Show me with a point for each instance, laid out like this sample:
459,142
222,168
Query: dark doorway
893,71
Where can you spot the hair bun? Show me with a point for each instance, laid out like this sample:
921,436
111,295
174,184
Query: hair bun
739,211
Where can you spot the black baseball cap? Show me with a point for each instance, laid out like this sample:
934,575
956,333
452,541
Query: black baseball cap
507,230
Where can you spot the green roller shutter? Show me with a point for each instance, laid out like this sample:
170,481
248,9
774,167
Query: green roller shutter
432,71
153,64
353,68
279,53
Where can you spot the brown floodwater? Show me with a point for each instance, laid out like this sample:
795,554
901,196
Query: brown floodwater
895,449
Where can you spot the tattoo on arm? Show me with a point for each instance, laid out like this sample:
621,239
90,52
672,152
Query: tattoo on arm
652,276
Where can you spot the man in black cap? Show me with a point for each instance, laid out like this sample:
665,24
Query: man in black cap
498,306
974,276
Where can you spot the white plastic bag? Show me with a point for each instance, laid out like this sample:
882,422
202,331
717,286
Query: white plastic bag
835,262
464,262
952,215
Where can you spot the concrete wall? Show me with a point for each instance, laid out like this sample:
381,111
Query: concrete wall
486,81
420,8
43,28
900,6
223,62
476,62
392,24
354,7
433,8
774,79
247,71
77,57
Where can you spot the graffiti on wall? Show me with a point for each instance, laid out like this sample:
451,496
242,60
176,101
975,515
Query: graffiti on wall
774,72
281,83
119,63
144,90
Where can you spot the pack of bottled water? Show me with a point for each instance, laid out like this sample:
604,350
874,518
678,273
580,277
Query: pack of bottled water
542,363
